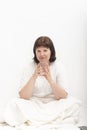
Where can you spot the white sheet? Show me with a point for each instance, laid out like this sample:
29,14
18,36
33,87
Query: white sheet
64,127
42,114
83,115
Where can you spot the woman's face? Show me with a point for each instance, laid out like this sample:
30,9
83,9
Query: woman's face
43,54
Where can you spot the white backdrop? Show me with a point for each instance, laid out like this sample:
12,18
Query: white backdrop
22,21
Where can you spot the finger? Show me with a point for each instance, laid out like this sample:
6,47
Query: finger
46,70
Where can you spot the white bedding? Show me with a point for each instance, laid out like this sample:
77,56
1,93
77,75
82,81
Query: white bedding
83,116
38,122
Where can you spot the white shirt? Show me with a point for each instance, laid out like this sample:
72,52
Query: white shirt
42,88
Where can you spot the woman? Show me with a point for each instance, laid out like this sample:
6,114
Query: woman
44,96
44,62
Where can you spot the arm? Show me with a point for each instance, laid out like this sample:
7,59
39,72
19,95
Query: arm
27,91
58,91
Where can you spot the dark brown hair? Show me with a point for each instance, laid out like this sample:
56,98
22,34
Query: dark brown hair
45,42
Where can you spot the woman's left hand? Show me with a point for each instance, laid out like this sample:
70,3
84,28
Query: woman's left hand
47,73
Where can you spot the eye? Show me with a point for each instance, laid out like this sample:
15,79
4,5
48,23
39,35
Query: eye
45,50
38,50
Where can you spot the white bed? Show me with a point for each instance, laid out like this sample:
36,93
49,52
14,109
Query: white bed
83,116
82,122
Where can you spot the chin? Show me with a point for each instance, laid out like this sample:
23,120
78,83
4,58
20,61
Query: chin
43,61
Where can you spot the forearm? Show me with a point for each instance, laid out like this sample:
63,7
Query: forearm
27,91
58,91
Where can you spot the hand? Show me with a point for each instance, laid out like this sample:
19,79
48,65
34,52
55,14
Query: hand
37,71
46,73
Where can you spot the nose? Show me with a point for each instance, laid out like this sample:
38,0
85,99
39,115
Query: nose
42,53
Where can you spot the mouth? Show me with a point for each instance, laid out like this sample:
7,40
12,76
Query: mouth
43,60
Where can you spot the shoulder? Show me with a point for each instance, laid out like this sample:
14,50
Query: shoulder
58,64
30,67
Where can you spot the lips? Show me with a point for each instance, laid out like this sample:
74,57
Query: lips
42,59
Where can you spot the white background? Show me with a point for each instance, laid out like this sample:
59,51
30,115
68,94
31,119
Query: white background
22,21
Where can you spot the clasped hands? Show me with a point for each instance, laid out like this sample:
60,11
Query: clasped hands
43,69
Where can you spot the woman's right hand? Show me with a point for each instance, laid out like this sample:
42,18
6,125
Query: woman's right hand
37,71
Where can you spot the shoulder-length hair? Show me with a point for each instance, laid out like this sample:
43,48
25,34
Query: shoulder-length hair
45,42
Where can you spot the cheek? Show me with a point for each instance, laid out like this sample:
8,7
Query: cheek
49,55
37,55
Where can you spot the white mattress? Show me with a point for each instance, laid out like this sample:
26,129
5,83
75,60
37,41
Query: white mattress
82,122
83,116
